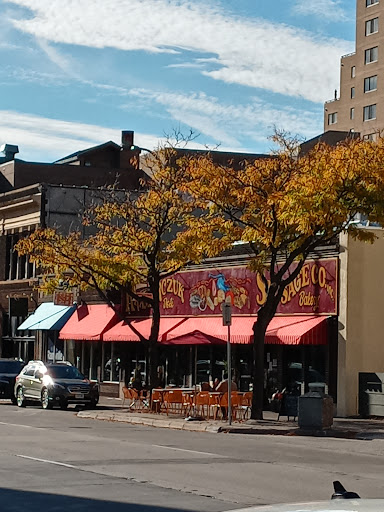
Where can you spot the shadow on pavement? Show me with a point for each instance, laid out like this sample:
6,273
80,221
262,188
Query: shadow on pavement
14,501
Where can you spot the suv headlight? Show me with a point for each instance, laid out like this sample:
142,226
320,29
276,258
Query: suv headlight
58,386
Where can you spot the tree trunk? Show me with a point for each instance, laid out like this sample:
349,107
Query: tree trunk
259,330
153,350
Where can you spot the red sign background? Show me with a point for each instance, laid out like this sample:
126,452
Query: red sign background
202,292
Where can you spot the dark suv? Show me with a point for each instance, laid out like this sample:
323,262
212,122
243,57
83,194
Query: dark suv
9,369
56,383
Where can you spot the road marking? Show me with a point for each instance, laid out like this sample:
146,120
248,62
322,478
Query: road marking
189,451
22,426
48,461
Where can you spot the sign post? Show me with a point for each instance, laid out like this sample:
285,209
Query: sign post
227,320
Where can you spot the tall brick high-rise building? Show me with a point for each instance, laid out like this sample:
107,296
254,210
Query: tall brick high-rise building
360,106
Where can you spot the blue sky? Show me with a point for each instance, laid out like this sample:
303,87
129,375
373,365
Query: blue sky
74,73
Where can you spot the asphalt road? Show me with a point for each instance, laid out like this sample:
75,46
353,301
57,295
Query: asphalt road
54,461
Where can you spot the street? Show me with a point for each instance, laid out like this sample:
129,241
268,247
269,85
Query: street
57,461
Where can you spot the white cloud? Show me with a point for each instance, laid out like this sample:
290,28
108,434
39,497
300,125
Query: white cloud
55,139
228,123
327,9
250,52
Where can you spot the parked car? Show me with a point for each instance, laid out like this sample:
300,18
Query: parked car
9,369
56,383
367,505
342,501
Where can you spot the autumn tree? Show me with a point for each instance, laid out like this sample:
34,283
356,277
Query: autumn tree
284,207
136,240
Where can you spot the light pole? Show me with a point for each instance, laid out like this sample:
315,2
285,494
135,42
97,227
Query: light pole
227,321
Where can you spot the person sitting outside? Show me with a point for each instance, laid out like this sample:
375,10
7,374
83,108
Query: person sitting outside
222,387
205,386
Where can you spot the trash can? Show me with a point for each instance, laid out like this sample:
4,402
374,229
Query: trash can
315,411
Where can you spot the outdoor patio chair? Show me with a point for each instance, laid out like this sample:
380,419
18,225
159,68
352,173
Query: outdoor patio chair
127,395
188,403
173,401
202,404
214,404
245,404
235,403
157,402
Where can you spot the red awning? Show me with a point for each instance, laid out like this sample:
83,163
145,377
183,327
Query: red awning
284,330
129,330
297,330
89,323
211,329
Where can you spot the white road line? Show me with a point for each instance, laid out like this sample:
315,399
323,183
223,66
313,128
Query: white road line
48,461
189,451
22,426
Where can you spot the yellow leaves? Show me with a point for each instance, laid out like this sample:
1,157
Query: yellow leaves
283,202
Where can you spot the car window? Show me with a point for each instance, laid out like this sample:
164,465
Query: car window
29,372
65,372
10,366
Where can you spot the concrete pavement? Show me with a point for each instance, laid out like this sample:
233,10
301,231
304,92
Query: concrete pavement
110,409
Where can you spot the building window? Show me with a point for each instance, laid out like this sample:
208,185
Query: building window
352,92
353,71
17,267
369,112
371,2
371,136
352,113
371,55
371,26
332,118
370,83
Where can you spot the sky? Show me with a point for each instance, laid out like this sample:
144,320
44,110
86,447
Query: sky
75,73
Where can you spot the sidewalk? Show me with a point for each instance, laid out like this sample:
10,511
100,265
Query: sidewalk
110,409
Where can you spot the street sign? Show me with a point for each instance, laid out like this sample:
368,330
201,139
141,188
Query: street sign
227,314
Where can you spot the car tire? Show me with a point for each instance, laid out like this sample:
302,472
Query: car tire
20,399
45,403
14,400
93,404
63,404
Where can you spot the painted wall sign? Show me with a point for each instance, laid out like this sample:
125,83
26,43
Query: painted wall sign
202,292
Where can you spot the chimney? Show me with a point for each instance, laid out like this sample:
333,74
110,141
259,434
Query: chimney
8,152
127,139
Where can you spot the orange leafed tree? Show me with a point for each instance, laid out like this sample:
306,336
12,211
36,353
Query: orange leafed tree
136,241
284,207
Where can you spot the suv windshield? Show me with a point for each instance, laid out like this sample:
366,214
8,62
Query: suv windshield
10,366
65,372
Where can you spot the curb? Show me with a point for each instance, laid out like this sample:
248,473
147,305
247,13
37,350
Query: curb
261,428
150,422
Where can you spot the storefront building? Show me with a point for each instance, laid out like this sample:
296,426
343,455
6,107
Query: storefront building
301,341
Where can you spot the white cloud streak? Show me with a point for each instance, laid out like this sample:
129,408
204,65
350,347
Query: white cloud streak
251,52
327,9
54,138
227,124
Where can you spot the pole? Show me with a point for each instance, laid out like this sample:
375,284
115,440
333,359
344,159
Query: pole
229,376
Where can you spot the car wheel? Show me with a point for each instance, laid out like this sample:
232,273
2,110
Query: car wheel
93,404
45,403
20,400
63,404
14,400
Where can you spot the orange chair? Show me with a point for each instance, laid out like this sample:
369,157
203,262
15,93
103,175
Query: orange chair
245,404
127,395
202,404
188,403
156,400
214,404
173,401
235,403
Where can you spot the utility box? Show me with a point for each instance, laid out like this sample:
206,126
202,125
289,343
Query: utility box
315,411
371,394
